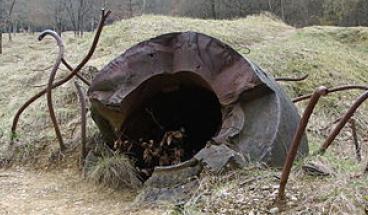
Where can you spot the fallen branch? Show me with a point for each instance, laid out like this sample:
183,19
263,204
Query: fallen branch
63,81
332,90
342,122
292,79
291,155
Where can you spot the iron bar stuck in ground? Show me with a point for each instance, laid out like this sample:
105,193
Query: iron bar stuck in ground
291,155
83,107
51,81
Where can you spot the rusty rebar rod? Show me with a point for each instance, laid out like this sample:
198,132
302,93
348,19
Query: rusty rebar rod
67,65
66,79
70,68
292,79
50,82
291,155
332,90
83,107
355,140
342,122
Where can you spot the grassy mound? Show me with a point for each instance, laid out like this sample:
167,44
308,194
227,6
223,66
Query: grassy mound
330,55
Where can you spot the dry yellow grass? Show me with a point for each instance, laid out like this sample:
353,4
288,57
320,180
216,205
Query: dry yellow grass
330,55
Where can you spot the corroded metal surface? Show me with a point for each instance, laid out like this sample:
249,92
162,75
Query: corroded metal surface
262,118
173,184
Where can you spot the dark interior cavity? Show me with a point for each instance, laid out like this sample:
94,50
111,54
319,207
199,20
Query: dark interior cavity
180,102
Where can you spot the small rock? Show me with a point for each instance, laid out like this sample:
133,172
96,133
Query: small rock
274,210
276,186
290,204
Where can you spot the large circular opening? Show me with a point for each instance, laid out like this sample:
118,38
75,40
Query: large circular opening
170,118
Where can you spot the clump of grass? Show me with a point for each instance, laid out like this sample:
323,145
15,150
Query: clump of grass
114,171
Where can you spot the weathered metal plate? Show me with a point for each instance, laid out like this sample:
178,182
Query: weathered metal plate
173,184
263,120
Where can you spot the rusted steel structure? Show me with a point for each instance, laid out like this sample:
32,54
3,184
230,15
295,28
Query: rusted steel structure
193,80
182,101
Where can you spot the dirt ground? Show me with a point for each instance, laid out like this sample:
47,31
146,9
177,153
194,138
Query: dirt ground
24,191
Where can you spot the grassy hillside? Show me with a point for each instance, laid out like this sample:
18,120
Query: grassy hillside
331,56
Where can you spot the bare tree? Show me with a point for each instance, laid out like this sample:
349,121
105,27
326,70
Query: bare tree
9,22
213,9
59,15
6,10
77,11
282,6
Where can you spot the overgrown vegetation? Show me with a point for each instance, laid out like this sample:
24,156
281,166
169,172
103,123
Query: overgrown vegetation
115,171
330,55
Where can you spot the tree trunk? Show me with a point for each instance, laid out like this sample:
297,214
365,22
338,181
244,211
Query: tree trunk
282,5
130,9
144,6
10,32
92,24
1,42
213,9
82,26
174,8
8,21
270,5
